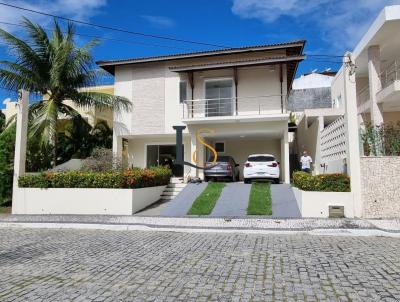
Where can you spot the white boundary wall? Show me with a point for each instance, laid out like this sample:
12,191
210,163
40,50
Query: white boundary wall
84,201
333,146
316,204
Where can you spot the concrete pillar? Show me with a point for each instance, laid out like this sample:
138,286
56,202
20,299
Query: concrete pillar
117,145
375,85
352,130
20,148
285,161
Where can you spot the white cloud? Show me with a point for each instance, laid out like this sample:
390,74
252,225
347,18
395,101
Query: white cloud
341,22
159,21
75,9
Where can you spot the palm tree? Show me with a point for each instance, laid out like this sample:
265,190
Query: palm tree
54,66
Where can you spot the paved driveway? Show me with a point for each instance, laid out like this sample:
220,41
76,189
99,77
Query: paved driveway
73,265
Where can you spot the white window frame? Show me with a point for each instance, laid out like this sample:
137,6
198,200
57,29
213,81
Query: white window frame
187,90
159,144
217,79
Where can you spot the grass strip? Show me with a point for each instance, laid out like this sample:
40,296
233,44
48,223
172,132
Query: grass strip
205,202
260,201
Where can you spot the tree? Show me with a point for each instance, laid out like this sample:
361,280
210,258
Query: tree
2,121
56,67
7,142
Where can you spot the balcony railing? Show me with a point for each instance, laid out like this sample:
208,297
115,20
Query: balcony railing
390,74
240,106
363,96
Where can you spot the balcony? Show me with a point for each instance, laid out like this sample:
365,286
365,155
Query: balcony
224,108
390,92
363,99
390,74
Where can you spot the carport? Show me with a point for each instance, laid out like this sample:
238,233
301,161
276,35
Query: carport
241,137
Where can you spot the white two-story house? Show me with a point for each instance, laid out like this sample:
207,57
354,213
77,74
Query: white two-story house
238,93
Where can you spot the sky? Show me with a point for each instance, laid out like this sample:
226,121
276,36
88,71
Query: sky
330,27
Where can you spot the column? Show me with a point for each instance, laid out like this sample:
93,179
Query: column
285,162
20,150
375,85
352,130
117,145
193,146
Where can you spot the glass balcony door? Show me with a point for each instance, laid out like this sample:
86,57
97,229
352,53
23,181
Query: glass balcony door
219,97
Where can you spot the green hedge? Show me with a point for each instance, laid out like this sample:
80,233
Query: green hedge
325,182
128,179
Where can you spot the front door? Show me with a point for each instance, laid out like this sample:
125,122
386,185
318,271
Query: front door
163,155
219,97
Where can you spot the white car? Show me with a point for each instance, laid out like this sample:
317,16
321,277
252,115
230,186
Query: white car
261,166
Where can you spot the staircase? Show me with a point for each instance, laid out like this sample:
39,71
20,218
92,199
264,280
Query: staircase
174,187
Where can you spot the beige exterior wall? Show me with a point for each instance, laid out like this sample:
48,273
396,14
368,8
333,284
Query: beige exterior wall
10,109
308,138
380,201
337,88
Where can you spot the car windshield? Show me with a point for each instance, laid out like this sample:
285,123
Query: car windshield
260,158
220,159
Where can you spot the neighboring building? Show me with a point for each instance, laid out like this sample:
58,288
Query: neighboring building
10,109
311,91
240,93
91,115
369,86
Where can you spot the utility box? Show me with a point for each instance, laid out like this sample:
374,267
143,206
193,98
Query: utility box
336,211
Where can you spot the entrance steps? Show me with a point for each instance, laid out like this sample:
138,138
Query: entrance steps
175,186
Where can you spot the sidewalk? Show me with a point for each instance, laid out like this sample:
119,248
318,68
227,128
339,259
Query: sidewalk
254,225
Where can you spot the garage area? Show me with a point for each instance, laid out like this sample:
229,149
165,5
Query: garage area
239,140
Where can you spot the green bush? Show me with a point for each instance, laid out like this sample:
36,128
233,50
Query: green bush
131,178
336,182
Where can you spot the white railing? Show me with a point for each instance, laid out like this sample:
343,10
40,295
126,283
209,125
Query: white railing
390,74
240,106
363,96
333,141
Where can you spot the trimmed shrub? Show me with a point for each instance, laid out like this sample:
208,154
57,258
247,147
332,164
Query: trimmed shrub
336,182
131,178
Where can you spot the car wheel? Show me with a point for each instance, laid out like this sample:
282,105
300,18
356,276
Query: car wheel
206,179
276,181
247,181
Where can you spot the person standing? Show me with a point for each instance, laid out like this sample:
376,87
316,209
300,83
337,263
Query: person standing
306,162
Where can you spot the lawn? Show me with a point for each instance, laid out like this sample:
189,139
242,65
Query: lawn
260,201
204,204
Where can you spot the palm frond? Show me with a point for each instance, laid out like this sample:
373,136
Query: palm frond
44,122
101,100
13,81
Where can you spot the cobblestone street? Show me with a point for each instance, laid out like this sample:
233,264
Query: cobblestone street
72,265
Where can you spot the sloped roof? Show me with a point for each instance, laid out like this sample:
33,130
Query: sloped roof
111,64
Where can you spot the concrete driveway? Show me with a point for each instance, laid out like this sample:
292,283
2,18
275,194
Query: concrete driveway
234,200
284,203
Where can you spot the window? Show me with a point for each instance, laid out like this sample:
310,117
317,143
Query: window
219,95
261,158
182,91
220,147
